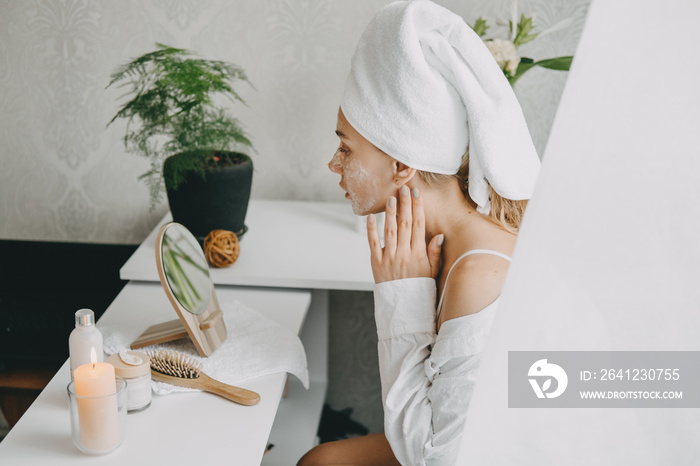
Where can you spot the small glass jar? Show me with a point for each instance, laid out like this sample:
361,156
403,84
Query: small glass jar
135,368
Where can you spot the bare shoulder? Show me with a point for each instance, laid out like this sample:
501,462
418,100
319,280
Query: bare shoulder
474,283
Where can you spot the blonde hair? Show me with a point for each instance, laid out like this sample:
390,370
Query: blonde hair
506,213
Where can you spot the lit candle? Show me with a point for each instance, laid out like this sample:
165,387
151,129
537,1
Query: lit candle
98,413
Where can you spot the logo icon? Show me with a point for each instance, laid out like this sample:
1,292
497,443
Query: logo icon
543,370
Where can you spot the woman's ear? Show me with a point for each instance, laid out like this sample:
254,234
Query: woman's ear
402,173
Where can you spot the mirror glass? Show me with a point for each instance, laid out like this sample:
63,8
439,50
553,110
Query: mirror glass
186,269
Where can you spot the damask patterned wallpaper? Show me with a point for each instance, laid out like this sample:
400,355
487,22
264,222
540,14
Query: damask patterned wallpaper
64,176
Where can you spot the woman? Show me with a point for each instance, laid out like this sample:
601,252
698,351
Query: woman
423,90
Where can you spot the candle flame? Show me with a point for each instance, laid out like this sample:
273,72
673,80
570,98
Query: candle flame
93,357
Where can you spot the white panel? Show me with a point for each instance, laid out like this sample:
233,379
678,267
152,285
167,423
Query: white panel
608,257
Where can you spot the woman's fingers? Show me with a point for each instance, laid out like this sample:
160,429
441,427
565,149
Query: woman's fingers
405,219
390,227
418,234
404,254
434,249
375,244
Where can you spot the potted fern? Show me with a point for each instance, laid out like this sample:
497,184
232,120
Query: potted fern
194,145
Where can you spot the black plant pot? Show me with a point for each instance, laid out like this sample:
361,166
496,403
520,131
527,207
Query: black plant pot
219,201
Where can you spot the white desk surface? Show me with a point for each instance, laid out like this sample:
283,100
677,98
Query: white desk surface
289,244
182,428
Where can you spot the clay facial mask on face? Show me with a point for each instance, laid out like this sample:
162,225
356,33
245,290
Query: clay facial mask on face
335,162
361,186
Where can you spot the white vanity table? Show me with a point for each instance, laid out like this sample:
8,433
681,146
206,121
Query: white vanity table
181,428
292,254
290,244
316,246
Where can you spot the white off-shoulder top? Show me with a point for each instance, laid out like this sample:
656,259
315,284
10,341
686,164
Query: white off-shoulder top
427,377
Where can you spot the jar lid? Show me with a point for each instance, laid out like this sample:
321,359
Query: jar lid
136,364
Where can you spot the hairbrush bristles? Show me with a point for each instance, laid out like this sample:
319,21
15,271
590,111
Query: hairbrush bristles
170,362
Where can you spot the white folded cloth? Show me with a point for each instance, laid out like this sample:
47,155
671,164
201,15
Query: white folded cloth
423,87
255,346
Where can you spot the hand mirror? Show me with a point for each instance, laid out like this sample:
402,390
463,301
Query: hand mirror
184,274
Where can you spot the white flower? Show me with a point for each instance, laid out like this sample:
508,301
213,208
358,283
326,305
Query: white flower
512,66
505,53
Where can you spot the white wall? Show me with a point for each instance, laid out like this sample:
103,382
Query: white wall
63,176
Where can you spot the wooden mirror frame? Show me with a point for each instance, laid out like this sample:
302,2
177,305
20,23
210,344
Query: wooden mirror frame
206,330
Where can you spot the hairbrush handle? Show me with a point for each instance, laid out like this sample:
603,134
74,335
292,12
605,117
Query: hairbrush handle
235,394
206,383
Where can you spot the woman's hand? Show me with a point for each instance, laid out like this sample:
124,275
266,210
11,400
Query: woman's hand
405,254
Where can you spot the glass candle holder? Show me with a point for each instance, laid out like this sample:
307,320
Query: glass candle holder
98,423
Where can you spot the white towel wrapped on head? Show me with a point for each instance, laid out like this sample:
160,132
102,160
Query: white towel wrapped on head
423,87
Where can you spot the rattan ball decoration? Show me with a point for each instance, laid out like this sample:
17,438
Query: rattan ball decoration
221,248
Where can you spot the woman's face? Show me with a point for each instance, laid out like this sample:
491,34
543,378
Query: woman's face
366,173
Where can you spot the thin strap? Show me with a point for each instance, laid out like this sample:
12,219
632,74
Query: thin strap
468,253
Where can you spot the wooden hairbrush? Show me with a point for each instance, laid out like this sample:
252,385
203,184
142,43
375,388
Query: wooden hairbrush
174,368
